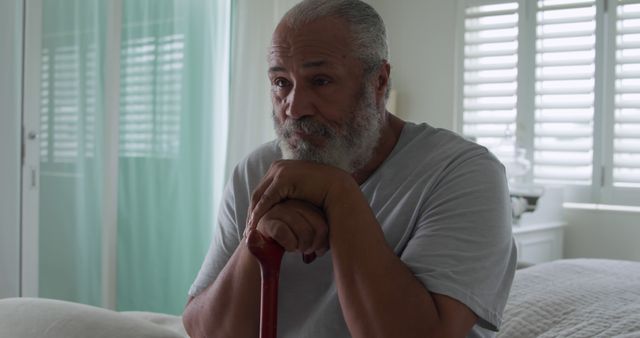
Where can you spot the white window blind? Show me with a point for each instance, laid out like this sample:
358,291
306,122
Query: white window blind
577,69
151,92
564,91
626,141
490,74
68,105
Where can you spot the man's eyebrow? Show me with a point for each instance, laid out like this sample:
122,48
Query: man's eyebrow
314,64
309,64
276,69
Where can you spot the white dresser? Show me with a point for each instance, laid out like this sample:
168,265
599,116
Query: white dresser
539,234
538,243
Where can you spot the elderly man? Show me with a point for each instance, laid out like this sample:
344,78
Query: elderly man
414,221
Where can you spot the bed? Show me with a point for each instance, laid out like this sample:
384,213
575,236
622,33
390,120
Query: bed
565,298
575,298
48,318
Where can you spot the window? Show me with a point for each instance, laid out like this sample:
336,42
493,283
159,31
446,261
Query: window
68,99
564,92
560,80
626,119
151,79
151,91
490,75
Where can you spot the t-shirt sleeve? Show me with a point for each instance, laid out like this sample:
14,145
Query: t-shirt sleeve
232,215
226,235
462,245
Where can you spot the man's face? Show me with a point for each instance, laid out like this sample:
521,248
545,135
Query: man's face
324,109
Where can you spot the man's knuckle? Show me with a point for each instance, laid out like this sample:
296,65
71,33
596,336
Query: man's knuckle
254,195
282,235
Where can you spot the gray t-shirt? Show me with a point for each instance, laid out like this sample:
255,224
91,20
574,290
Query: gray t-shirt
443,205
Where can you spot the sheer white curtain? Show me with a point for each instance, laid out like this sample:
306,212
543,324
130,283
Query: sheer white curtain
250,123
10,96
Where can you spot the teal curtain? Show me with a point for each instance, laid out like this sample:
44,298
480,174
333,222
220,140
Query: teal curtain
173,89
71,134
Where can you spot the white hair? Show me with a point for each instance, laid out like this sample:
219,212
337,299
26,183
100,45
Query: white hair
368,32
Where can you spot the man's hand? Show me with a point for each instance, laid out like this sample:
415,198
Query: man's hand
297,226
300,180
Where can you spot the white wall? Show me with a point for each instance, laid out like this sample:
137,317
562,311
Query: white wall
422,45
602,234
422,40
10,74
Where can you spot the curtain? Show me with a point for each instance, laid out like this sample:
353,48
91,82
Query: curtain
172,141
11,14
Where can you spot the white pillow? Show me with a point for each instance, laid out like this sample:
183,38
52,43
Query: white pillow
40,318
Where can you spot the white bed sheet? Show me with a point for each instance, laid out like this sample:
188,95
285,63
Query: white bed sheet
575,298
48,318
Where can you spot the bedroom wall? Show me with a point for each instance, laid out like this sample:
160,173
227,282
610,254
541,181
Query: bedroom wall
422,39
422,45
602,234
10,67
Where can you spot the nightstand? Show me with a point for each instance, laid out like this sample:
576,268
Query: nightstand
539,242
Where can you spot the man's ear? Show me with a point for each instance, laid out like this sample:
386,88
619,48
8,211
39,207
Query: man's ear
382,80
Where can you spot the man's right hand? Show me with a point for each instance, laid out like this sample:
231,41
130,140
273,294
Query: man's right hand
229,307
297,226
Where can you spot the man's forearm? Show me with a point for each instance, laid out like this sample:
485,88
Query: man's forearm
379,295
230,306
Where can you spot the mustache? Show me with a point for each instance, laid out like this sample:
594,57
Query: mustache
306,125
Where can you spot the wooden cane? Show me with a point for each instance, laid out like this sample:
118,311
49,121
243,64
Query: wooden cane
269,256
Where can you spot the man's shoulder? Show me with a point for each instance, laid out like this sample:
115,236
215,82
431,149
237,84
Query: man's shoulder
440,145
256,164
265,154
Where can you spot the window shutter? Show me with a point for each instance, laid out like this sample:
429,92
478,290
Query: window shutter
68,106
626,131
490,74
151,89
564,91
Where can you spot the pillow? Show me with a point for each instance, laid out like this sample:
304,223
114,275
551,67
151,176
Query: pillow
37,318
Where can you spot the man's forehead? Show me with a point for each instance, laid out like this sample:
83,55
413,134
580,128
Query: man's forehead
311,55
322,43
277,64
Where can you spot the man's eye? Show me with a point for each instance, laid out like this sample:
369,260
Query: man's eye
281,83
320,81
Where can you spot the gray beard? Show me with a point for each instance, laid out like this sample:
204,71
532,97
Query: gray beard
349,150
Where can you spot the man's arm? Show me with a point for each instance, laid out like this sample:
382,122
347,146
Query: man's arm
379,295
230,306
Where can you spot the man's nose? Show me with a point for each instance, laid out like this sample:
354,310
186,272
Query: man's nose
300,103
